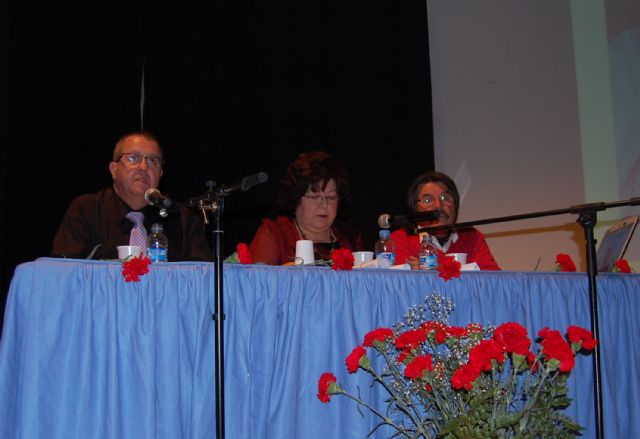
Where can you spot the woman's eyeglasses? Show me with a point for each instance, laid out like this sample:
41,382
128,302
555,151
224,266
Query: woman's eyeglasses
330,199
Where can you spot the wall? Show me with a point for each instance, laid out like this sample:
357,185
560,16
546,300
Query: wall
523,120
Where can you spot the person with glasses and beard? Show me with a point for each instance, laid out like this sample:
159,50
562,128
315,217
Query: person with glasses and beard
437,191
312,203
96,224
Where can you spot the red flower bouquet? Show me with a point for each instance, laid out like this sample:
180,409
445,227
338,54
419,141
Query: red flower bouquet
342,259
564,263
622,266
448,267
133,268
242,255
452,382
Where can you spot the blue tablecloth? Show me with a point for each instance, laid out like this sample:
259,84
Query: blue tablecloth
86,355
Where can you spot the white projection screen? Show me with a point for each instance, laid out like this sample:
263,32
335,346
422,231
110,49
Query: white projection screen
536,106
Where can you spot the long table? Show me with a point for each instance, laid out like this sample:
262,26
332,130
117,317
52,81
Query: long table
86,355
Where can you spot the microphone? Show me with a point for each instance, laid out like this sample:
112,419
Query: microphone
246,183
386,220
154,197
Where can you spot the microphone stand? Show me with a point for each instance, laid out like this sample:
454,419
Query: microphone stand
218,315
213,201
587,218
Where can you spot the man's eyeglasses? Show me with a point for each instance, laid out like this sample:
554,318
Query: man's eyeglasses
331,199
133,159
429,199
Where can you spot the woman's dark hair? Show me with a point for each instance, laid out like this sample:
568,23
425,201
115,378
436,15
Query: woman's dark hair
431,177
313,170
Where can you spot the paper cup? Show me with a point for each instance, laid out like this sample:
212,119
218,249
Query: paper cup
128,251
304,252
360,258
460,257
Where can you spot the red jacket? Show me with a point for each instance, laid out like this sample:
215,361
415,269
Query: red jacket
470,241
275,240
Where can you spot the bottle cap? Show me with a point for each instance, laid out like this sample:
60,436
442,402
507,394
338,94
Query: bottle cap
384,234
156,227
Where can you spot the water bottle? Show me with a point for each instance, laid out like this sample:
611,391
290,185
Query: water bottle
428,253
385,249
157,244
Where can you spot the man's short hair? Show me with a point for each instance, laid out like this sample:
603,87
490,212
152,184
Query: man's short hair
117,151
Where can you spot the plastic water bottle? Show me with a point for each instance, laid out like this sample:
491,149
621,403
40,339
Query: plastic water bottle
428,253
385,249
157,244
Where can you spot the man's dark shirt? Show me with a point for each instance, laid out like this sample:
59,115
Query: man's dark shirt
100,218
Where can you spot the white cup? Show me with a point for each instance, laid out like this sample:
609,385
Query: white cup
460,257
360,258
304,252
128,251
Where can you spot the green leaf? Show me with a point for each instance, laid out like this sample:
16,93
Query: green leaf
519,361
552,364
233,258
509,420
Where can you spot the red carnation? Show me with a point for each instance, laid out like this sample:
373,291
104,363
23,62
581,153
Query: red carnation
342,259
353,360
324,384
485,351
577,334
622,266
411,339
441,336
244,255
513,338
465,375
554,346
564,262
448,267
441,330
416,368
457,332
133,268
403,355
380,334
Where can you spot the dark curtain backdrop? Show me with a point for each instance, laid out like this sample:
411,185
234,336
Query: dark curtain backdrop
231,89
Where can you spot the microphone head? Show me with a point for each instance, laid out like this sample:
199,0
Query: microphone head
151,194
384,221
253,180
428,215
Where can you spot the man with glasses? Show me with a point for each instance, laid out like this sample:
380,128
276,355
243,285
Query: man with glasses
435,191
95,224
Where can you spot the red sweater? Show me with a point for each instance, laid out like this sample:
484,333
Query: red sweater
470,241
275,241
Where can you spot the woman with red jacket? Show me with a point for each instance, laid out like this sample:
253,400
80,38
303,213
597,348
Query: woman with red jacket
313,198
